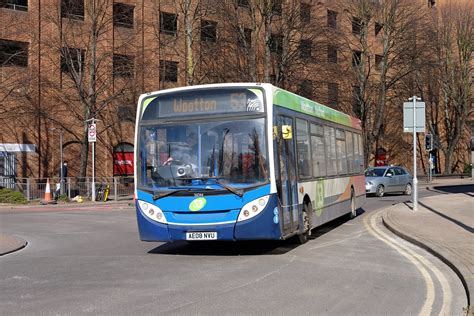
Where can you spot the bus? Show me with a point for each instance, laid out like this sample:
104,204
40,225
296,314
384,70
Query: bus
242,161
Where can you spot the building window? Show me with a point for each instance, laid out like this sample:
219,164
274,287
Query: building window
18,5
356,58
168,71
306,89
72,9
378,28
245,39
305,13
123,15
356,25
243,3
333,94
332,54
123,65
168,23
13,53
276,7
378,61
276,44
305,49
431,3
332,19
125,113
208,31
72,60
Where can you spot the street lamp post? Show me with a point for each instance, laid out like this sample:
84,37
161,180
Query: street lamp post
61,167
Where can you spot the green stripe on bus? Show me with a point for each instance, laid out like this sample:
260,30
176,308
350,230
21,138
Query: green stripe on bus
294,102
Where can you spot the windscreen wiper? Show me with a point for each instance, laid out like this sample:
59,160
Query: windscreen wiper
237,192
158,196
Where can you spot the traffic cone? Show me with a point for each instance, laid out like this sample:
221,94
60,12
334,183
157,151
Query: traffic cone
47,192
47,195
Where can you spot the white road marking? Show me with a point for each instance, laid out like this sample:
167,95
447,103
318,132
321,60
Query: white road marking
420,262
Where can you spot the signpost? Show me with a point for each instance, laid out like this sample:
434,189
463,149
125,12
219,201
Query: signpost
92,137
414,120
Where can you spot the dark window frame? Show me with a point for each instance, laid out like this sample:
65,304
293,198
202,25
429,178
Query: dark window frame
243,3
276,44
377,28
306,48
13,53
168,23
17,5
332,19
72,9
333,94
277,7
208,31
74,59
306,88
246,41
356,58
168,71
123,15
356,25
305,13
123,65
332,54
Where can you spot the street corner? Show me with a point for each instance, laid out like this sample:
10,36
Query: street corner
11,243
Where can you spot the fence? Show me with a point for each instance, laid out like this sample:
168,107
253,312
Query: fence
121,188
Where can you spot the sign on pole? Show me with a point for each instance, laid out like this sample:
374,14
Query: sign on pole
92,133
408,117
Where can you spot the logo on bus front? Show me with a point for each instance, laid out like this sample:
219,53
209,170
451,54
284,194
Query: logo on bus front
197,204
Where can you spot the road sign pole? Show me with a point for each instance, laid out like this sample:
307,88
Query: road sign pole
415,180
92,136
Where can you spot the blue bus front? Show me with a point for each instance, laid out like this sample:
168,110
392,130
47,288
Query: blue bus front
202,167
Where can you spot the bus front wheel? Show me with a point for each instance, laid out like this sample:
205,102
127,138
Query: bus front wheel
304,236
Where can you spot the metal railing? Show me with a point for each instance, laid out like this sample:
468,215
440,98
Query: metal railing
120,188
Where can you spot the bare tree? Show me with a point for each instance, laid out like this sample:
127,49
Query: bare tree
85,88
454,37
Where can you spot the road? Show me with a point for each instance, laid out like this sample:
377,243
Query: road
90,260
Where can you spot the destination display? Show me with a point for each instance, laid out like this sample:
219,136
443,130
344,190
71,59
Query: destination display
204,102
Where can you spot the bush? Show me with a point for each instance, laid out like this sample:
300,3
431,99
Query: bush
12,197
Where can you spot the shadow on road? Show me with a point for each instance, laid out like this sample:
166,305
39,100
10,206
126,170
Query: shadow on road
244,248
467,189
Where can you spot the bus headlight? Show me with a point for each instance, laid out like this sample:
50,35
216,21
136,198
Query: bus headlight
153,212
253,208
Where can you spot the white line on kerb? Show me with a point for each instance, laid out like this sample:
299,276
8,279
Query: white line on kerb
420,262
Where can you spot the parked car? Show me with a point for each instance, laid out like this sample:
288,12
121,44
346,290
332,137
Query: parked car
387,179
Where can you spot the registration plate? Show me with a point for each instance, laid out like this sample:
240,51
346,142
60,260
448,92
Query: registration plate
201,236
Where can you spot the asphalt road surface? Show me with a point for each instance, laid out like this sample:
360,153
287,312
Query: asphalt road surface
90,261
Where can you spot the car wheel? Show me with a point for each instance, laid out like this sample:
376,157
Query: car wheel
408,189
380,190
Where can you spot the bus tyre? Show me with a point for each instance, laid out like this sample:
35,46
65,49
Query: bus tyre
380,191
353,213
304,236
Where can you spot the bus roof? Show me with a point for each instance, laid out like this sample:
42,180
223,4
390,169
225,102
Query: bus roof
298,103
281,98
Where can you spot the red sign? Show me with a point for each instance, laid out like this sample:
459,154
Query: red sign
123,163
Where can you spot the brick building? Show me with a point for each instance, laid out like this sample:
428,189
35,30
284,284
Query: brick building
66,61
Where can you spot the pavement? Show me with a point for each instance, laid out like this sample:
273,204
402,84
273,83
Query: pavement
442,224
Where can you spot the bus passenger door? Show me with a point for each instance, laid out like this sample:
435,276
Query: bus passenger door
286,175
